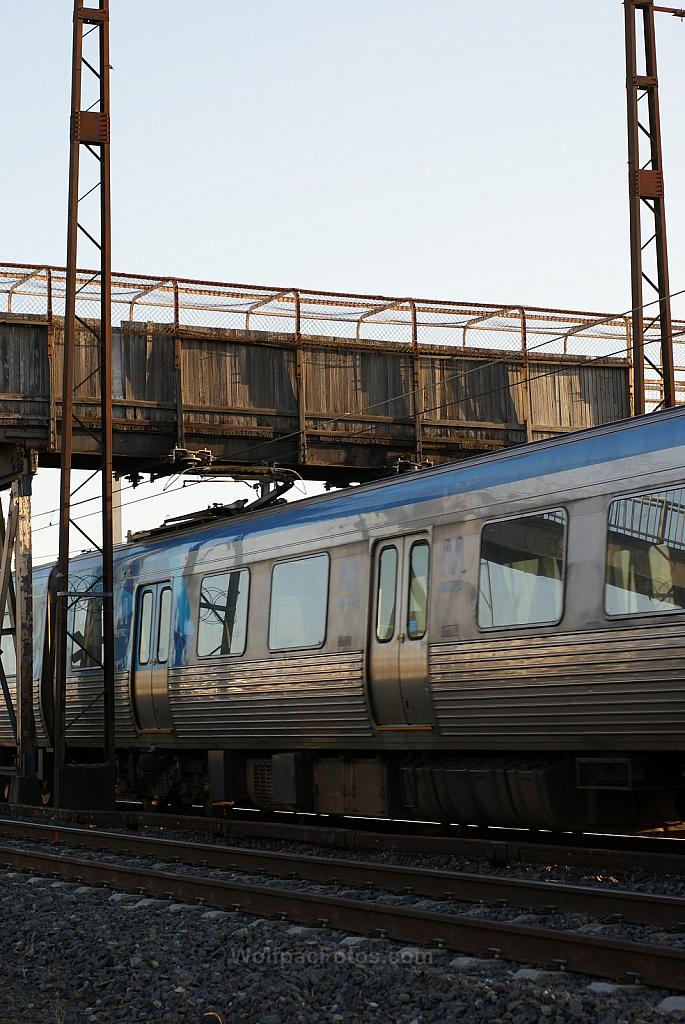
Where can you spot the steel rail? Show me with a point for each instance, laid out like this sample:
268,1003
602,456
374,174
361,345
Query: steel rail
467,887
501,846
660,966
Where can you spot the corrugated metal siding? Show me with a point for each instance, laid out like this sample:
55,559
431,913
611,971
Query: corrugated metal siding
82,693
6,734
41,732
621,683
305,697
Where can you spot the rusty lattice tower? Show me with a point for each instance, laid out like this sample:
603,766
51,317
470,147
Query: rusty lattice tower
648,249
89,135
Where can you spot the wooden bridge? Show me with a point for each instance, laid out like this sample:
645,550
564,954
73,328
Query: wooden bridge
231,378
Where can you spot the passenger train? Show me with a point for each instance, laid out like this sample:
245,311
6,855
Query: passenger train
496,641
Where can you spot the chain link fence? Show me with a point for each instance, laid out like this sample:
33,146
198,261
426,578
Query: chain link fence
177,304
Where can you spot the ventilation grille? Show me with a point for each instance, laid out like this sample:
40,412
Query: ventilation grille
604,773
260,783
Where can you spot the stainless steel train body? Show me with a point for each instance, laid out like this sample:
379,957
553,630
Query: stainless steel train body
496,641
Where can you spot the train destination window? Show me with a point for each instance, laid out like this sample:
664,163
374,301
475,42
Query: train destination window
222,627
645,569
385,598
164,625
522,570
86,631
299,603
418,590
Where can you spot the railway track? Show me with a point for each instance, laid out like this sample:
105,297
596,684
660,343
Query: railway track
462,886
660,855
658,965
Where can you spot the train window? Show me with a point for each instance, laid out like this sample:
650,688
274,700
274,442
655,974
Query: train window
522,571
299,603
223,614
86,631
418,590
9,661
145,627
164,625
645,570
385,598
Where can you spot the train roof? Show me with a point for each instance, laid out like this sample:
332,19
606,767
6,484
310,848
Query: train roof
607,443
577,449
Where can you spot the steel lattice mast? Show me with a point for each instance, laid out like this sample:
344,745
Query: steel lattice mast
647,205
90,131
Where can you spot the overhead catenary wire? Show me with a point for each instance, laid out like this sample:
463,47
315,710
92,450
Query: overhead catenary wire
135,501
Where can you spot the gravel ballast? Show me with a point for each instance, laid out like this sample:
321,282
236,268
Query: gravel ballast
78,954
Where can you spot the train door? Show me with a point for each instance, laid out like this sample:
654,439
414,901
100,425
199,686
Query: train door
152,641
398,649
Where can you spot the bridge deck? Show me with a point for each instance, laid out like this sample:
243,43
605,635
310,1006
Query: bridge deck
338,387
239,398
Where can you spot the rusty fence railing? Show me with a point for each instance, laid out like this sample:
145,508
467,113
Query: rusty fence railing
191,305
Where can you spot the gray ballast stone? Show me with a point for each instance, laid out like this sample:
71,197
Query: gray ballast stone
607,988
468,964
672,1004
422,954
535,974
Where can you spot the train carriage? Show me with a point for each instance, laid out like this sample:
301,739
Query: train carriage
498,641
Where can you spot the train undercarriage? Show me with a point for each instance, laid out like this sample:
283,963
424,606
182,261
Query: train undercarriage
541,791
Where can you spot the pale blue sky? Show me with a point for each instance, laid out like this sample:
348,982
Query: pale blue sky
454,149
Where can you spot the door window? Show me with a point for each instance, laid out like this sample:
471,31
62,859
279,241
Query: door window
164,625
385,598
145,627
418,590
